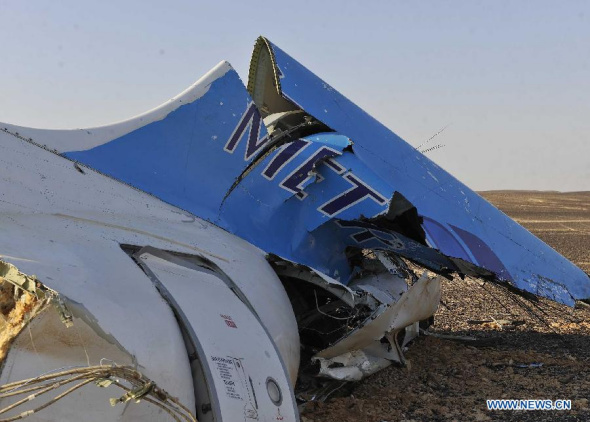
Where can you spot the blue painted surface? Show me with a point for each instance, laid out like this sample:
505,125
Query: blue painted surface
181,158
440,236
519,256
299,200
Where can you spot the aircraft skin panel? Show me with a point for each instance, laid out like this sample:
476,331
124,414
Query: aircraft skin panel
316,234
169,151
526,261
172,158
241,357
66,227
177,153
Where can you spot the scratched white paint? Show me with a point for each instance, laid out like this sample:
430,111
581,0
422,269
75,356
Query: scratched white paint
239,353
66,227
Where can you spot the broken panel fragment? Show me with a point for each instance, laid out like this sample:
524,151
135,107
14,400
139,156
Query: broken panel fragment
349,332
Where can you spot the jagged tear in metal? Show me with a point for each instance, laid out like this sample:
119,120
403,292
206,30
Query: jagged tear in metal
232,241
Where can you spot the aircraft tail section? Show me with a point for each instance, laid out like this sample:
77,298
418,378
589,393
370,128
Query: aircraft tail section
457,221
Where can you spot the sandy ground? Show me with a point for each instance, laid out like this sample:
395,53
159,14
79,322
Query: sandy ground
524,349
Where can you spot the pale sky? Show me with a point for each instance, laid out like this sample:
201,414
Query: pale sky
512,78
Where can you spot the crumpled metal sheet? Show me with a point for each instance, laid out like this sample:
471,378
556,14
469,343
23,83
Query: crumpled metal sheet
457,221
361,352
419,302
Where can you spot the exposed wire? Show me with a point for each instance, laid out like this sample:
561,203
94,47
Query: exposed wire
138,388
529,311
325,314
19,385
